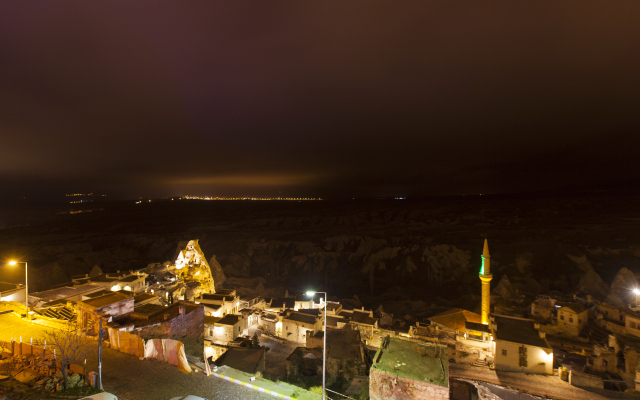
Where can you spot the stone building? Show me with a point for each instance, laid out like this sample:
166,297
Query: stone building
619,355
572,317
456,319
223,330
66,293
251,361
219,305
543,308
520,346
132,281
296,326
304,301
346,360
404,369
183,321
12,292
279,304
110,306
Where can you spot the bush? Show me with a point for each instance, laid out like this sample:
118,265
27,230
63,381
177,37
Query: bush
316,389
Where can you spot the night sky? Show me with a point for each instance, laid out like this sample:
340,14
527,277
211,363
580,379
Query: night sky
323,99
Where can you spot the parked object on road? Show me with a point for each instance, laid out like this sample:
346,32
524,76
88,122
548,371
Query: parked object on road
101,396
189,397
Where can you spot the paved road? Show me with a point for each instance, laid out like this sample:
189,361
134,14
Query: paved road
132,379
540,385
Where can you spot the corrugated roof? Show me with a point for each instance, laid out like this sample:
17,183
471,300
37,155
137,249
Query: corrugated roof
5,287
107,299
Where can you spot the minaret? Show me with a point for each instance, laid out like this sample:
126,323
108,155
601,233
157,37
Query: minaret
485,277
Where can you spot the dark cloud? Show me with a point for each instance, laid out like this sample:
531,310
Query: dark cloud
371,98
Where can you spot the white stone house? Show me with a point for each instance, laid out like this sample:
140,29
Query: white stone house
296,325
223,330
219,305
520,346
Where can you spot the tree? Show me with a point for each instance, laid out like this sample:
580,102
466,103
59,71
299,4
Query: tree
71,346
255,342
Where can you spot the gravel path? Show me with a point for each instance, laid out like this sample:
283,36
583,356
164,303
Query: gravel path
131,379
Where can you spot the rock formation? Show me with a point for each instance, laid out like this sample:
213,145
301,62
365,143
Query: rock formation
216,271
191,266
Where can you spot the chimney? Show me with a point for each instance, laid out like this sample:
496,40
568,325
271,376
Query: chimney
181,310
284,305
542,334
118,271
86,275
371,313
536,325
362,308
417,324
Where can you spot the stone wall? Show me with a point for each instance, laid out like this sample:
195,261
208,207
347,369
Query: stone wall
384,386
224,333
268,325
585,380
187,328
296,331
89,317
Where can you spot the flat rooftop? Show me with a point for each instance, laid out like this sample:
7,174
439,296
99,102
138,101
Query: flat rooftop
107,299
5,287
420,361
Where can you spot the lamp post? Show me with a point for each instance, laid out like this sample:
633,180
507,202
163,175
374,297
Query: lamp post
26,283
636,291
324,345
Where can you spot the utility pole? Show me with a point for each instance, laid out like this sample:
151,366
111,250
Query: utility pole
100,356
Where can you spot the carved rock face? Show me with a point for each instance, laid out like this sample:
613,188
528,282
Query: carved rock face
191,266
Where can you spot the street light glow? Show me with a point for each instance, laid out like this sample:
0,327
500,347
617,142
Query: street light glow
310,293
12,263
636,291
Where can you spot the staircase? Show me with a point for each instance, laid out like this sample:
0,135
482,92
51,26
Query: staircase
480,362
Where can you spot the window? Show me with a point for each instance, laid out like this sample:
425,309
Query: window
562,317
523,356
571,319
633,325
605,363
621,317
504,352
579,321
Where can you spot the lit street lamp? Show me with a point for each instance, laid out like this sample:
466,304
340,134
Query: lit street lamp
26,281
324,345
636,291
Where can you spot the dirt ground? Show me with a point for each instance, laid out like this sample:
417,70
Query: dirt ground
277,354
132,379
